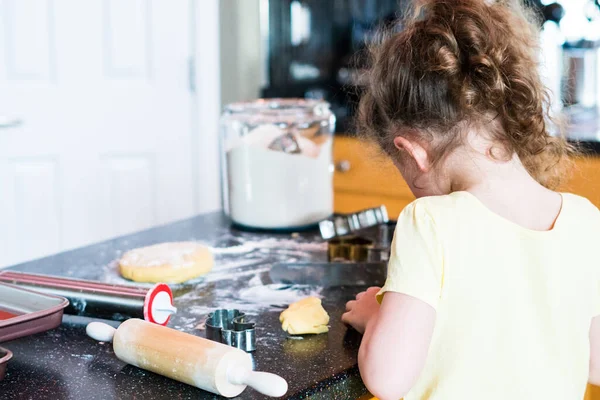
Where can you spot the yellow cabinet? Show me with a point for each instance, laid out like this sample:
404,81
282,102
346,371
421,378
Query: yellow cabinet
585,179
365,178
592,393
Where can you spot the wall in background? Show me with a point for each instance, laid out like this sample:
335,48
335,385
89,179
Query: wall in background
241,50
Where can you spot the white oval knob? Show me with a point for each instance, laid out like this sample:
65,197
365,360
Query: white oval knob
264,382
342,166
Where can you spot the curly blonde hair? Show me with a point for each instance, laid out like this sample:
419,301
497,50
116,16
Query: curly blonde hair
457,62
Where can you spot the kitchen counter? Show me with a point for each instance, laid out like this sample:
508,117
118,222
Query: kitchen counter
65,364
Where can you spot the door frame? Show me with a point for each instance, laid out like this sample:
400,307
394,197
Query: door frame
205,85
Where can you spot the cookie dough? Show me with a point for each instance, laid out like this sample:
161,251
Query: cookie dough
304,317
166,262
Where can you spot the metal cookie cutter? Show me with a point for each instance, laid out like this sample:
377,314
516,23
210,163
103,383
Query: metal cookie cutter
356,249
342,225
231,328
348,248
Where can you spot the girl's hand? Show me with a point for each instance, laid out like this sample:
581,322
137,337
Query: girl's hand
360,311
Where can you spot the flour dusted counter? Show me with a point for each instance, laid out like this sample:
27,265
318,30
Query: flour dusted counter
65,364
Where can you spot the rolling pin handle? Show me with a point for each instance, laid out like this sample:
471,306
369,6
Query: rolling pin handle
266,383
100,331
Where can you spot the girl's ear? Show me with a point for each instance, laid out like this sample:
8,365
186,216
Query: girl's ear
415,151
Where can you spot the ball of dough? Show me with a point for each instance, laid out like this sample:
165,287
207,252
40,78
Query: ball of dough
304,317
166,262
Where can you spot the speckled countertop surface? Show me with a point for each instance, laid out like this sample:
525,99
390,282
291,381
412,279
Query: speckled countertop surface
65,364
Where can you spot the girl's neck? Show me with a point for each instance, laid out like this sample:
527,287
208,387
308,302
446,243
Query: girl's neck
482,173
506,188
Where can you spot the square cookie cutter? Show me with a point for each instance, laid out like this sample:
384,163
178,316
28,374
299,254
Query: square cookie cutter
229,326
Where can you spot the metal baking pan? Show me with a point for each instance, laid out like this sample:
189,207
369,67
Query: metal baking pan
33,312
5,356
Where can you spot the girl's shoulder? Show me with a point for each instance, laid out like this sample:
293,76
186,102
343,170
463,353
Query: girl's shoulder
579,209
579,202
441,206
435,212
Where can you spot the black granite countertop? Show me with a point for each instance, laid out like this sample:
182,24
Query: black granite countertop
65,364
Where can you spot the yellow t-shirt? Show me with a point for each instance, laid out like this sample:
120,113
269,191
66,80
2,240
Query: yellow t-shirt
513,305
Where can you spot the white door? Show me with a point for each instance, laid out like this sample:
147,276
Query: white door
106,142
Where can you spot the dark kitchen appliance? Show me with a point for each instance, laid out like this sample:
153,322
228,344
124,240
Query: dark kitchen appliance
314,47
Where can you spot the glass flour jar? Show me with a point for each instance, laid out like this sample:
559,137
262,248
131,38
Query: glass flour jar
276,160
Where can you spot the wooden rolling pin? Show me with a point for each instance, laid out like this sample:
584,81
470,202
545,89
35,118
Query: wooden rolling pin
199,362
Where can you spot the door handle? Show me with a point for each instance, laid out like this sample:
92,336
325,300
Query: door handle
8,122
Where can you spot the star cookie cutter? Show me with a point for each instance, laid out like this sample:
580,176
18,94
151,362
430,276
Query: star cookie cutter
230,327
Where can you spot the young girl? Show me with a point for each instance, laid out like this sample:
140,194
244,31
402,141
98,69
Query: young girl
494,279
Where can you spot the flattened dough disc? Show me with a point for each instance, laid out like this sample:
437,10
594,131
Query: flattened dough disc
172,262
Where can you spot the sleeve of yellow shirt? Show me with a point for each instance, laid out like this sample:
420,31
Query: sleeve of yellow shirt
416,266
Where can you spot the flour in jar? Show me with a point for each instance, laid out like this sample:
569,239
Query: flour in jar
274,189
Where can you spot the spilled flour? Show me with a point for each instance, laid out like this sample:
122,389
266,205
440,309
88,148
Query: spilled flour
239,278
277,295
253,298
232,254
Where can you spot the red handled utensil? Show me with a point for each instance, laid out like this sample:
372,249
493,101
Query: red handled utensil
101,300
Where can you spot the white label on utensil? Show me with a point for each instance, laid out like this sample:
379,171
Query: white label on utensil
162,307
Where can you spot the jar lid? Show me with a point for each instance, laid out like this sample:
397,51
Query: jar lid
290,111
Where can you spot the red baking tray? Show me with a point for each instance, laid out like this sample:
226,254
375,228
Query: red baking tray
34,312
5,356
